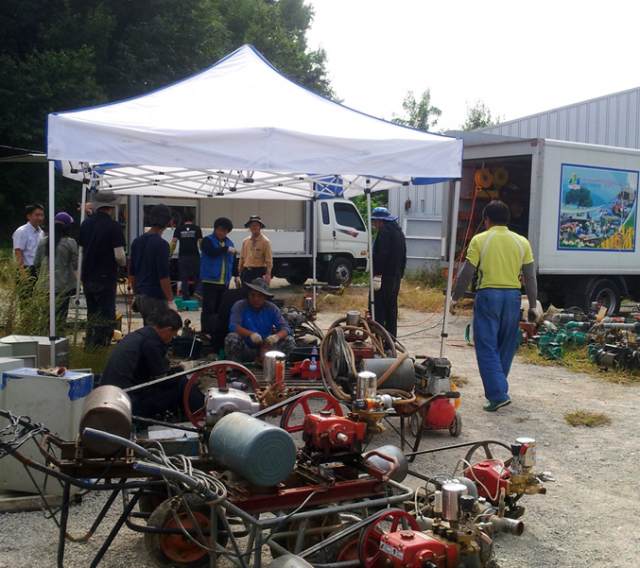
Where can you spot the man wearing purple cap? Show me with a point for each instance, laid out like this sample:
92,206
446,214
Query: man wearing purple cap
389,262
66,257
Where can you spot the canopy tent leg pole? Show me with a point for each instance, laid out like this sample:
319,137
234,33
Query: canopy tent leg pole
453,226
83,204
52,264
372,306
315,247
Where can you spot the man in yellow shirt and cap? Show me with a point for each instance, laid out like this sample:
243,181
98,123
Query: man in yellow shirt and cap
498,256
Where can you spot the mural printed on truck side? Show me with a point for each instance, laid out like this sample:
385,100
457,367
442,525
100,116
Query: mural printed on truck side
598,209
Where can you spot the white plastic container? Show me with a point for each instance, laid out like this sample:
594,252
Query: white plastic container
54,402
42,349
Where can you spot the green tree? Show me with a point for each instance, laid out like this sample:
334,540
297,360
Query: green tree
478,116
421,114
65,54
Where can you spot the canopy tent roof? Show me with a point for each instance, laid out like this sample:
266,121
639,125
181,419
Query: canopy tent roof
241,129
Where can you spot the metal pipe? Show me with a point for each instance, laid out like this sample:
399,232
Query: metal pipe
52,263
453,220
372,306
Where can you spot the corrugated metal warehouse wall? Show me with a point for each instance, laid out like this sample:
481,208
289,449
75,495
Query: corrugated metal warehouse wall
612,120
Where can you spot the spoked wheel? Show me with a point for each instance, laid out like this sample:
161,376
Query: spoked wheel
218,374
310,402
387,521
180,550
486,449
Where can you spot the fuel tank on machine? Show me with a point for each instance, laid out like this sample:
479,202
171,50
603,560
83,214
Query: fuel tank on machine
262,454
402,378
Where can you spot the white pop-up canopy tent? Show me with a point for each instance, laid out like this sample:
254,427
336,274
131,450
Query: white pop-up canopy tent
241,129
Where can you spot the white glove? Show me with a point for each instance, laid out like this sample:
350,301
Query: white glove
187,365
232,250
172,305
377,283
452,306
271,340
256,339
238,282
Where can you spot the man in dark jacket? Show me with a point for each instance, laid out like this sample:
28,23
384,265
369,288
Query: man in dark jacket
389,262
149,274
102,244
140,358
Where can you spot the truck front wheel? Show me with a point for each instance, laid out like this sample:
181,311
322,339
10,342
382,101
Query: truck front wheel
605,292
340,272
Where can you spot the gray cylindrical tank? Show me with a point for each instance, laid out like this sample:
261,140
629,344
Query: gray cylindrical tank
106,408
261,453
386,466
403,378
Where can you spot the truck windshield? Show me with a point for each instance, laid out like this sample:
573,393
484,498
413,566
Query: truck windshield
347,216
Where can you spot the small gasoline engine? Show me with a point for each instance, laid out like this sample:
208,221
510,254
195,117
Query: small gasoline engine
452,538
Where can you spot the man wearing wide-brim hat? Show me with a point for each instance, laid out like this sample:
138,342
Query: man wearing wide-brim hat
256,258
389,261
102,245
255,322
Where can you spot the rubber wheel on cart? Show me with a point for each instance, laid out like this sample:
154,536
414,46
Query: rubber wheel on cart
605,292
177,550
296,280
455,428
340,272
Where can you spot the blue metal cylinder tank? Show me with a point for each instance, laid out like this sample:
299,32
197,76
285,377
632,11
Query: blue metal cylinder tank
261,453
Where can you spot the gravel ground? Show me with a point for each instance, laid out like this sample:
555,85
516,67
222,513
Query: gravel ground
581,521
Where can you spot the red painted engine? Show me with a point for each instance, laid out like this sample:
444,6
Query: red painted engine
489,476
413,549
328,433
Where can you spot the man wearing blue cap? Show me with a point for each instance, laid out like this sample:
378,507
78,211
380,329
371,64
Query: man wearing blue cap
389,262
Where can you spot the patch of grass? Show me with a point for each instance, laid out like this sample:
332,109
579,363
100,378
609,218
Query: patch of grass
577,360
427,277
95,359
587,418
459,381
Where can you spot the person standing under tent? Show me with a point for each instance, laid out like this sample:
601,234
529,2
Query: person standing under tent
498,256
102,245
256,258
66,257
27,237
216,270
389,262
189,235
149,274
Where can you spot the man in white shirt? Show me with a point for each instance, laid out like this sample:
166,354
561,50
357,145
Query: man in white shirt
27,237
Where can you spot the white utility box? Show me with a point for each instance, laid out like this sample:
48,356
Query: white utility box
22,346
54,402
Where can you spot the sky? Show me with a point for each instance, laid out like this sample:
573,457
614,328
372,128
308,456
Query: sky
518,58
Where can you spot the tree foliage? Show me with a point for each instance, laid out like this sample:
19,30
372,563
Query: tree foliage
421,114
58,55
479,116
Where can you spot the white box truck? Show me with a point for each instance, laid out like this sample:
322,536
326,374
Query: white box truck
577,205
342,234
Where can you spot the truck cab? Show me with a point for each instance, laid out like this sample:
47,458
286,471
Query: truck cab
342,244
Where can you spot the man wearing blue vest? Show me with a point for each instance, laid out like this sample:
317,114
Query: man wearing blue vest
498,256
216,267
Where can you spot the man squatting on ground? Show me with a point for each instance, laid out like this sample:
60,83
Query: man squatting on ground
141,357
498,255
149,274
252,323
